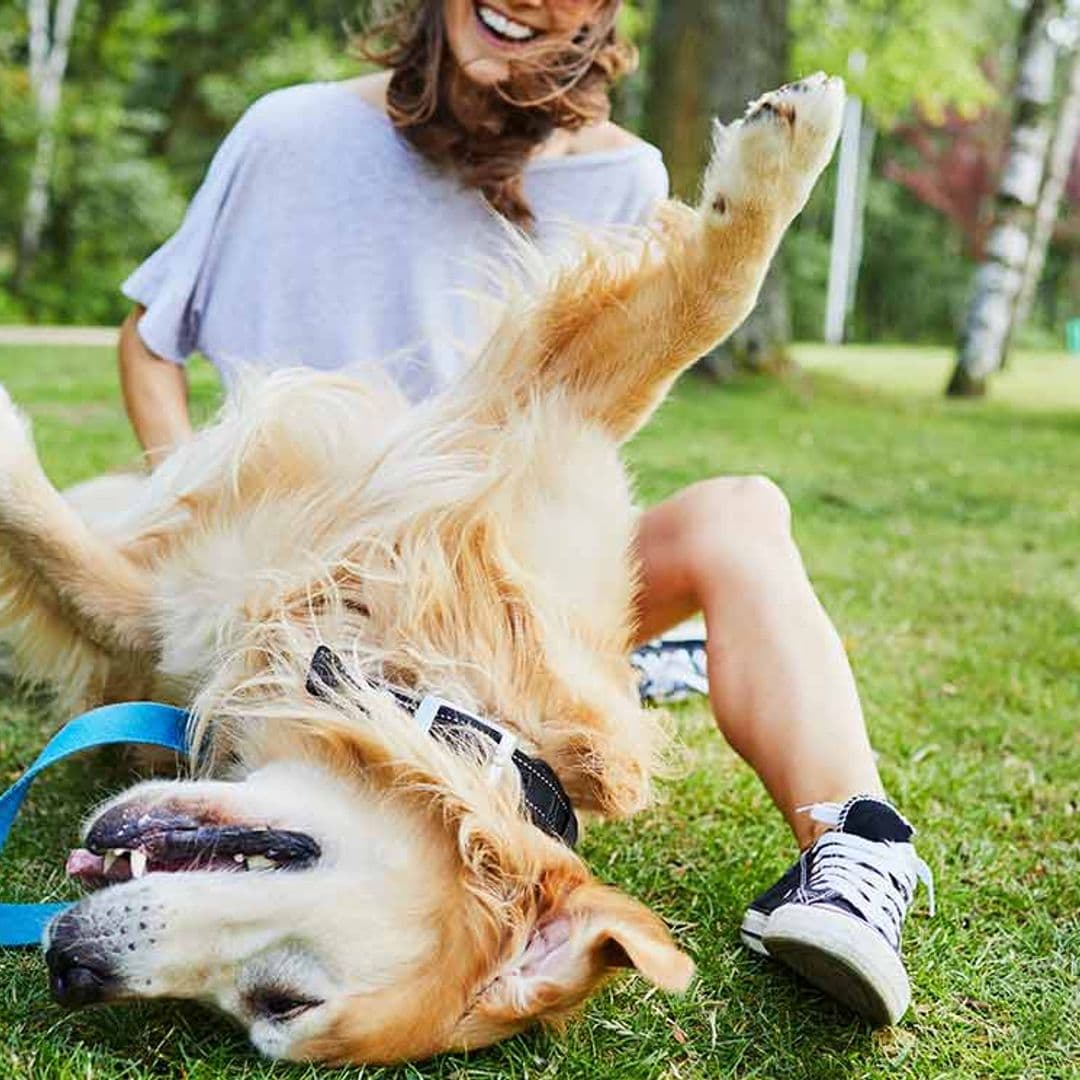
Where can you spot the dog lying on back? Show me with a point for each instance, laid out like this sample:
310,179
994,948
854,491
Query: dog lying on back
346,886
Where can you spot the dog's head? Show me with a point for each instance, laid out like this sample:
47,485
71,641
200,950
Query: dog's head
341,919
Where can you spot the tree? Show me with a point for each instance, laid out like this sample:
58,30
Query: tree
708,58
50,40
1062,154
149,90
985,335
893,53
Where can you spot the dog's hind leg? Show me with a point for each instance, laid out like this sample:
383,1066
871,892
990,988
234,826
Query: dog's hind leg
53,560
614,331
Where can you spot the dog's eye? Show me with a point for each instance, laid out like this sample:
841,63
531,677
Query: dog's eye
280,1006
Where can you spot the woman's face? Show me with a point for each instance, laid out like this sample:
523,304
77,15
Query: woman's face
486,35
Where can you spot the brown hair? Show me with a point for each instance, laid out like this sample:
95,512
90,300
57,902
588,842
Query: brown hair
486,134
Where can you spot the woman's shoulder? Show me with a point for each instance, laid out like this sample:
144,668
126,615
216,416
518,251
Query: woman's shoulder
309,110
608,151
602,138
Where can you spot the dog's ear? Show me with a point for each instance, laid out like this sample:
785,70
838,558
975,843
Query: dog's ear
579,941
623,933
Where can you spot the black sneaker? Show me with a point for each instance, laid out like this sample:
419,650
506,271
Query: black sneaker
672,669
835,917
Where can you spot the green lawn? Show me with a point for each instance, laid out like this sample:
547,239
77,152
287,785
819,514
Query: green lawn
944,539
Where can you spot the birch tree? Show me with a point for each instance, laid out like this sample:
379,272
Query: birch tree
1057,175
893,55
50,41
985,334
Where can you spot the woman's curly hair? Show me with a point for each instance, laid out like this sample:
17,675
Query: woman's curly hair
486,134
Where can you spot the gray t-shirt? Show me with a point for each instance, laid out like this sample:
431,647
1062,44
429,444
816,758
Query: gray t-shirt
320,237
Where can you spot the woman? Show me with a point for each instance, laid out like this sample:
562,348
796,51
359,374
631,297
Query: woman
340,225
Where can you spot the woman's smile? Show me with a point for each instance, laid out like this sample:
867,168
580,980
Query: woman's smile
486,35
502,29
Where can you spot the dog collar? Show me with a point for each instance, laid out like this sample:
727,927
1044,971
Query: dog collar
542,793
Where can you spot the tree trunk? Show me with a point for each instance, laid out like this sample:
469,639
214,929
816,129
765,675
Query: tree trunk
1057,176
709,58
50,40
985,335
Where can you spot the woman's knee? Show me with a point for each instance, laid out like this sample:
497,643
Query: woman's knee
733,520
733,504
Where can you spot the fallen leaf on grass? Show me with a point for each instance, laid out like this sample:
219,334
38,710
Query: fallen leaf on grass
895,1043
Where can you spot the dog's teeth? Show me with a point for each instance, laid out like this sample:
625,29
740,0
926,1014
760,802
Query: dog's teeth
260,862
107,864
138,863
238,858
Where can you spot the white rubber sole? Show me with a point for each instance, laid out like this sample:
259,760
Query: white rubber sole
842,957
752,929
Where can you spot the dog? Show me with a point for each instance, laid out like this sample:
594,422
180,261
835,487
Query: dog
348,887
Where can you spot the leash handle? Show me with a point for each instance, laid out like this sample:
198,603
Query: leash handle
140,722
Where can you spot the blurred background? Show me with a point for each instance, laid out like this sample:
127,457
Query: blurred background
111,109
940,533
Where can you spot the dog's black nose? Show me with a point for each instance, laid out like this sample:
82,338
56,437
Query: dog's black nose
74,984
78,973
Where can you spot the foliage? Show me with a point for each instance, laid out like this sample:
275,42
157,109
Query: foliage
915,270
153,86
896,53
932,74
953,165
953,579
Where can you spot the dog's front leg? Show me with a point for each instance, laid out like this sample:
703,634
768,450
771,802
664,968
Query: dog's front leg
46,546
613,333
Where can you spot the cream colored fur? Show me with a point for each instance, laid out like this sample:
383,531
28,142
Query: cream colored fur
478,546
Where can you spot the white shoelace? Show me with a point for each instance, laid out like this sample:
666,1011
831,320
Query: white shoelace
877,878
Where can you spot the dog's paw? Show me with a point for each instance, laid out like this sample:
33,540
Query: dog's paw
771,158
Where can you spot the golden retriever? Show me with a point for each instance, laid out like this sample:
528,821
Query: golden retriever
347,887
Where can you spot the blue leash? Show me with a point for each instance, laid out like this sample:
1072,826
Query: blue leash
140,722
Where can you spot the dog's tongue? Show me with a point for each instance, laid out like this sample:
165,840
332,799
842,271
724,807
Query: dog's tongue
87,867
82,864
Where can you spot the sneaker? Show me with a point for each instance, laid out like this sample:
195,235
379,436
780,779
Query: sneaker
835,917
672,669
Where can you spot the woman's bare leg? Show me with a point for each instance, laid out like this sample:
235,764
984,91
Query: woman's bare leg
781,688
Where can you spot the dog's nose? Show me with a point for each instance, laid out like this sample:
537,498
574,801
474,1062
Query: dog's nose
78,973
75,984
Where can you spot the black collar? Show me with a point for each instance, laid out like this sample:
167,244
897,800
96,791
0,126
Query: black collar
544,796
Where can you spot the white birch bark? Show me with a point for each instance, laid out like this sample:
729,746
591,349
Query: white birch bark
845,222
998,280
50,42
867,141
1057,176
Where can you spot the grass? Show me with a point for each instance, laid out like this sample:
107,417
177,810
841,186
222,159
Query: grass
943,539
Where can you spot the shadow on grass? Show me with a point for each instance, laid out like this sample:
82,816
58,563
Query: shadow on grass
157,1038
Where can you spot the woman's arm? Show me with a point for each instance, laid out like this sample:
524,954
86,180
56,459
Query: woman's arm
155,394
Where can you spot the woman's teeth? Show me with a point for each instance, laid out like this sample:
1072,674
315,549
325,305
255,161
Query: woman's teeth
500,25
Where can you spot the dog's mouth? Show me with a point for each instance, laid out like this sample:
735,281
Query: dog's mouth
126,843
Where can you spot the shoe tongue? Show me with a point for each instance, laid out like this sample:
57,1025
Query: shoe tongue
874,820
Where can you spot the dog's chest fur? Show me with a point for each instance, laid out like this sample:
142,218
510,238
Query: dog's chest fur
489,566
